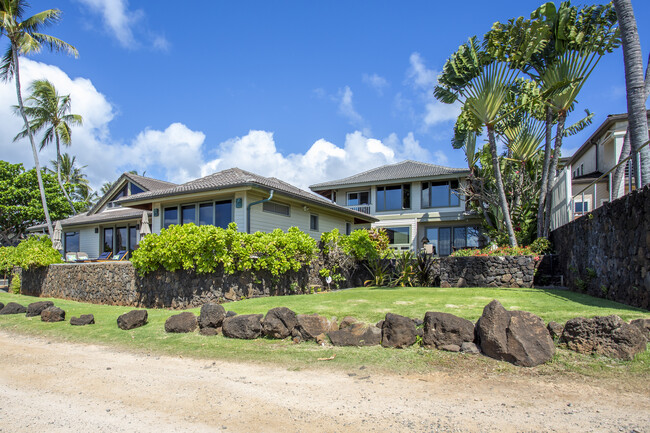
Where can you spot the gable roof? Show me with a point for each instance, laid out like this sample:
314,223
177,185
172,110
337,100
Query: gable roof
402,170
145,183
236,177
101,217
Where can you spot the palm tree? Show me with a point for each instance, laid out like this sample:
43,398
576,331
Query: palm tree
635,89
73,175
25,38
50,111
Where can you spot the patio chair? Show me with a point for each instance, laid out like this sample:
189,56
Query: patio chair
82,257
121,255
104,257
71,257
430,249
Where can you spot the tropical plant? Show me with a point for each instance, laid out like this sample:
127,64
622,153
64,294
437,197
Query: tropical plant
73,175
423,269
380,272
33,252
50,112
404,273
635,89
25,38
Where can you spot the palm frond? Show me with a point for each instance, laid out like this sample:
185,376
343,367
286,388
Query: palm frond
579,125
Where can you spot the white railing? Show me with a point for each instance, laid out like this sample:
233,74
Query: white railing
363,208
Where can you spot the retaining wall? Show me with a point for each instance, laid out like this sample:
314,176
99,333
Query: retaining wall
492,271
606,253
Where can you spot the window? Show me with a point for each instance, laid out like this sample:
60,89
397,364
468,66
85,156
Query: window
277,208
448,239
313,222
135,189
393,197
348,228
188,214
398,235
206,214
223,213
581,206
121,239
108,240
134,238
358,198
440,194
170,216
71,242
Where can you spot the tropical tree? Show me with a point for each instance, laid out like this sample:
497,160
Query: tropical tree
50,111
73,175
25,38
635,89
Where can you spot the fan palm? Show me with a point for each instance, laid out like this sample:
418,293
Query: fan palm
50,111
25,38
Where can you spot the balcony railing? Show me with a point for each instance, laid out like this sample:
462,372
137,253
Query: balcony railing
363,208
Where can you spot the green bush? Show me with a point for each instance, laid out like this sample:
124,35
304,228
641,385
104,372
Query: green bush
33,252
541,246
15,284
501,251
361,244
206,248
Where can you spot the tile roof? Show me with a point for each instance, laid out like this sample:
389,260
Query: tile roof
102,217
236,177
149,183
402,170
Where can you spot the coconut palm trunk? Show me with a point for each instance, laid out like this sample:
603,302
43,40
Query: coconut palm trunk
37,164
58,173
559,132
500,189
545,171
635,89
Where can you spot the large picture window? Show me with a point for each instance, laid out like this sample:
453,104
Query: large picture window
393,197
170,216
440,194
446,240
71,242
398,235
358,198
218,213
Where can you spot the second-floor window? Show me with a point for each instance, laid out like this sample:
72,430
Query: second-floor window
393,197
358,198
440,194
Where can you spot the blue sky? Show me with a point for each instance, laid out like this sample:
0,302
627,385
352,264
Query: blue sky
302,91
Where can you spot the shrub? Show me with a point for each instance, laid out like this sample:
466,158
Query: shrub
361,244
15,284
541,246
489,251
207,248
33,252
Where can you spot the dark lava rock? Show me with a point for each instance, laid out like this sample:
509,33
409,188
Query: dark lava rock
245,326
418,322
643,325
35,308
397,331
450,348
209,331
84,319
312,325
347,321
132,319
13,308
356,334
604,335
181,323
555,329
279,323
1,306
230,314
211,316
518,337
441,329
470,348
52,314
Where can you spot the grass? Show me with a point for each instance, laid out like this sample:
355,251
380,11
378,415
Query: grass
366,304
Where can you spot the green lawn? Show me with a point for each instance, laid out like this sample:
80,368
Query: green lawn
367,304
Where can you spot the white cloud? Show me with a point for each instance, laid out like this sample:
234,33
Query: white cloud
439,112
346,107
420,76
121,21
376,82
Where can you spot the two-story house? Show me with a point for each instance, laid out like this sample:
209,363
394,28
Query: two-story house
415,202
577,189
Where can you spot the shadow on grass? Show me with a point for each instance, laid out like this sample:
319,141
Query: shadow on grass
588,300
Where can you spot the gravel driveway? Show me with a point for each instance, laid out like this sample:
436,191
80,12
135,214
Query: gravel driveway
61,387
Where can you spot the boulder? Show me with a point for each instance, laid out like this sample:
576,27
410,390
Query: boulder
132,319
181,323
603,335
211,316
555,329
518,337
441,329
469,348
35,308
312,325
230,314
356,334
418,322
643,325
397,331
450,348
209,331
1,306
347,321
52,314
245,326
279,323
13,308
84,319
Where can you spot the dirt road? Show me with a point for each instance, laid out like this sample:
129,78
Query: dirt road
61,387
